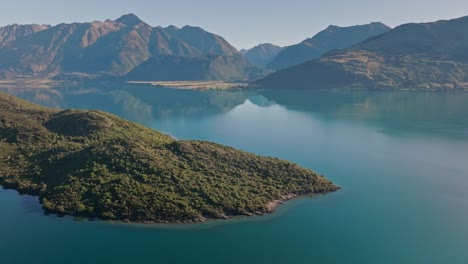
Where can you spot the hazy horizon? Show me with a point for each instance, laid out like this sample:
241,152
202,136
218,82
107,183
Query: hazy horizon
242,23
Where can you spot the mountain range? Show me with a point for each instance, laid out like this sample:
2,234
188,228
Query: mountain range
423,56
110,48
333,37
428,56
130,49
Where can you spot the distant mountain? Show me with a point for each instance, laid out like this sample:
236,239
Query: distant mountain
262,54
426,56
331,38
180,68
109,48
10,33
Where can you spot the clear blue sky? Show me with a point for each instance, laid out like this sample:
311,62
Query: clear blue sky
244,23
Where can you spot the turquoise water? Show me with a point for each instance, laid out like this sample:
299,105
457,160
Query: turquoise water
401,159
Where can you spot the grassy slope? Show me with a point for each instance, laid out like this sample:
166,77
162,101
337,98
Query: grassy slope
95,164
369,70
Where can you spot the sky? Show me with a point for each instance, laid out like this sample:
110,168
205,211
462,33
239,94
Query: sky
243,23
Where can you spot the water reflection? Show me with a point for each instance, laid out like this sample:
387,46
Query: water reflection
393,112
30,204
398,113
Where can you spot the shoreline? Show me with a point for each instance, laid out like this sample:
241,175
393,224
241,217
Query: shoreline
192,85
272,207
51,83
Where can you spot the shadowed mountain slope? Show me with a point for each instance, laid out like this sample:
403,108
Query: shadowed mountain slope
208,67
262,54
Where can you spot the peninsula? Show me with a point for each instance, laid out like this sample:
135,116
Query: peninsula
97,165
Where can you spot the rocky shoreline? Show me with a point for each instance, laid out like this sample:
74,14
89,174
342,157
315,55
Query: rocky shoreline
271,208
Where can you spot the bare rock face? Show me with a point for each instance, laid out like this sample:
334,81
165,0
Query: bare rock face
13,32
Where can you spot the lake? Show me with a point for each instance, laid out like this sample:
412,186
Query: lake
400,157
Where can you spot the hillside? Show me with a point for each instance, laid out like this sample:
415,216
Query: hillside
111,48
333,37
202,40
208,67
262,54
94,164
425,56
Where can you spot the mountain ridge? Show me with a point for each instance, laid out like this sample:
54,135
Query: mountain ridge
419,56
333,37
109,48
12,32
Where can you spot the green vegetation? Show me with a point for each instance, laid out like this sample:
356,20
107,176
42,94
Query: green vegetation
94,164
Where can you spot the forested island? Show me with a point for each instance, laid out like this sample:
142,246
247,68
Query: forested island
94,164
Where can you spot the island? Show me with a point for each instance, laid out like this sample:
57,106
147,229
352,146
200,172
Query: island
97,165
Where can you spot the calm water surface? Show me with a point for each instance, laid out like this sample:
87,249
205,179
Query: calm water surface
401,159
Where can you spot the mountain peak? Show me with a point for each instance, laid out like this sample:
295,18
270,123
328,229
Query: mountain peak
370,25
171,28
332,27
129,19
265,45
192,28
262,54
380,25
